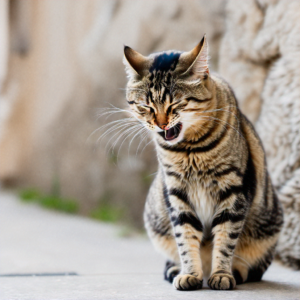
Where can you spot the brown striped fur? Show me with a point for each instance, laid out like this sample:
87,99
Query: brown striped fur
211,209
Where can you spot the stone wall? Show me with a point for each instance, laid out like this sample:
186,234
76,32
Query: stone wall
260,57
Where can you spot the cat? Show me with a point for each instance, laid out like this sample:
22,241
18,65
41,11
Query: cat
211,209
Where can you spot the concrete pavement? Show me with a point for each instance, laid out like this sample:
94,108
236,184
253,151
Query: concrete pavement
37,247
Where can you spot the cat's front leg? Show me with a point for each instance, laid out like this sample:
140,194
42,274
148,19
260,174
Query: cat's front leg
188,234
226,228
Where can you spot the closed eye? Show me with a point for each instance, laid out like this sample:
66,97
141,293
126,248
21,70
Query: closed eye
197,100
146,107
172,105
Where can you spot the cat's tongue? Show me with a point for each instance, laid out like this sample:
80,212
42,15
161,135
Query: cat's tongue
172,133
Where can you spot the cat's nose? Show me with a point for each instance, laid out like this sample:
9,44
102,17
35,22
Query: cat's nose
161,120
162,126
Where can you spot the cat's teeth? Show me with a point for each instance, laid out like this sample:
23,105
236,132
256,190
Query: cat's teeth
166,134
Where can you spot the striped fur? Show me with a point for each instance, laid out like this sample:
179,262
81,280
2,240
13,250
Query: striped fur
211,209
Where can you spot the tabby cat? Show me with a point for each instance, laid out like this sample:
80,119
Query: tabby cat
211,209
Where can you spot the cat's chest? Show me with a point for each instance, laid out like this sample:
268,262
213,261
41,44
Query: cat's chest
203,203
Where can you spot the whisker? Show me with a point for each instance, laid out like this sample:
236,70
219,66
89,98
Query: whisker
130,129
115,132
146,145
137,133
225,123
116,123
212,118
110,123
134,138
227,106
132,89
125,120
117,126
145,136
116,141
107,114
152,174
136,130
220,109
121,109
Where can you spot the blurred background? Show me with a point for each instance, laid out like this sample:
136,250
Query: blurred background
61,61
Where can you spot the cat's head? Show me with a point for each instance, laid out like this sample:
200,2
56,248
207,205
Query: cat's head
168,91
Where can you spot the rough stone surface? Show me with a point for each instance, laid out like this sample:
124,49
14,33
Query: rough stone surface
34,240
260,57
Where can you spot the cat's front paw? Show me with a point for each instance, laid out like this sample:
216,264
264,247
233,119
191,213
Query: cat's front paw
221,281
187,282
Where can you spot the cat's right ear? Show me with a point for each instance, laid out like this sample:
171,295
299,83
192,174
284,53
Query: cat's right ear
135,63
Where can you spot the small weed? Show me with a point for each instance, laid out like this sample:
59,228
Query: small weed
57,203
49,201
107,213
30,195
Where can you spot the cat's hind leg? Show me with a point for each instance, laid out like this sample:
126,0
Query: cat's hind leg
250,263
171,271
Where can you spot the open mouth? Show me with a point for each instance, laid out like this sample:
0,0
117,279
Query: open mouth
172,133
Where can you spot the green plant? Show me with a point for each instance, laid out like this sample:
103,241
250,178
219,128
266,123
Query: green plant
107,213
58,203
29,195
50,201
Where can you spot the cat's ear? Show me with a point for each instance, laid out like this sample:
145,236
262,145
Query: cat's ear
135,63
195,62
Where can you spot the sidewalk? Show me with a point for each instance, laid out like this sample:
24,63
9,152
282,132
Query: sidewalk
101,264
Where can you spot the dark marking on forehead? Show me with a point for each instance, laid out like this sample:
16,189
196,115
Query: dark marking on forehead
165,62
161,73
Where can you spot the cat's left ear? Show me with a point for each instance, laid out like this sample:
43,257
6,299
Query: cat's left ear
195,62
